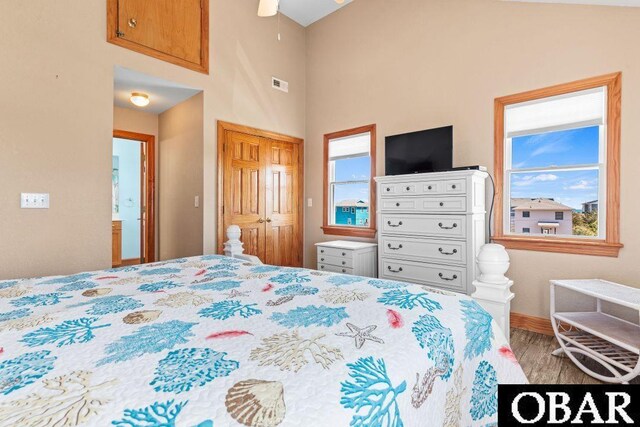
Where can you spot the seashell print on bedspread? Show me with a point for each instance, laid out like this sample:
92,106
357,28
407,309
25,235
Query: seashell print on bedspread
213,341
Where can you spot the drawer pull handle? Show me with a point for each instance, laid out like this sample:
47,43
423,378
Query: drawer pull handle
322,266
441,203
394,271
453,187
455,251
448,228
344,254
430,187
388,189
408,188
397,204
394,225
447,278
321,251
322,259
344,262
394,249
344,271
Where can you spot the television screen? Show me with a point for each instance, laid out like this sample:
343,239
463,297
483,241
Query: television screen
424,151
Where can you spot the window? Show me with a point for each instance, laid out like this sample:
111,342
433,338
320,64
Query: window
556,156
349,168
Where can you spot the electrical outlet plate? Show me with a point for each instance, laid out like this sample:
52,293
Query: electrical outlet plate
34,200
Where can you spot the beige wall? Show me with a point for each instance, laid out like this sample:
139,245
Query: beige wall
415,64
56,105
140,122
180,179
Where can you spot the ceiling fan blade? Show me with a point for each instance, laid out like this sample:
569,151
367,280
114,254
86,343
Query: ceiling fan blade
268,8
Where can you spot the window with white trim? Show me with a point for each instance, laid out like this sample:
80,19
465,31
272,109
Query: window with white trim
349,171
555,162
557,149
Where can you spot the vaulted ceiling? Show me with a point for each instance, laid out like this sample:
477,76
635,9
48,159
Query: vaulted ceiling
306,12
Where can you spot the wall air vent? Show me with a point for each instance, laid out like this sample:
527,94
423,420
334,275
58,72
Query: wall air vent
279,84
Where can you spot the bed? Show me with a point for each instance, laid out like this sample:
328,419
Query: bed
217,341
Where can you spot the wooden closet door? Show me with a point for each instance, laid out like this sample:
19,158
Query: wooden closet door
283,226
245,189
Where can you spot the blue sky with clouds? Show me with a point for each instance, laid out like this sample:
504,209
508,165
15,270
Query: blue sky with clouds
358,168
563,148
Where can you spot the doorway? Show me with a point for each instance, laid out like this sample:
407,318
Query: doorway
133,195
260,189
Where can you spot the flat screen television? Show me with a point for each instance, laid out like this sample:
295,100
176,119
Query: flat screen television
416,152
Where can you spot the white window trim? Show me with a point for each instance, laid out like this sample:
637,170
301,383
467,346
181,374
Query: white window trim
333,183
600,166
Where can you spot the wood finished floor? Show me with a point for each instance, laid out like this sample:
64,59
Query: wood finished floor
534,353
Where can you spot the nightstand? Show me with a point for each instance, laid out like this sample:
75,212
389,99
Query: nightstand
347,257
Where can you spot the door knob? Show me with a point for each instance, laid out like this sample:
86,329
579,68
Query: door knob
133,22
261,220
268,219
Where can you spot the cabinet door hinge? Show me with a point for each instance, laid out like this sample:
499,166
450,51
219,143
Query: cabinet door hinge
119,33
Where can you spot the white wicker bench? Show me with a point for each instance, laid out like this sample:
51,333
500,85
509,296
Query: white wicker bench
583,324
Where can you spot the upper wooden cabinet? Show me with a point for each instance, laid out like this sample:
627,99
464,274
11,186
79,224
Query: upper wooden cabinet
175,31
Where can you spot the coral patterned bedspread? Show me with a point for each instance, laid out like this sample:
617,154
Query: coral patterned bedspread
213,341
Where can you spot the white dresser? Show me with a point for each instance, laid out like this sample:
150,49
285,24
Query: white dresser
431,228
343,256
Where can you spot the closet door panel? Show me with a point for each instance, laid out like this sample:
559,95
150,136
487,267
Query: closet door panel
282,209
245,190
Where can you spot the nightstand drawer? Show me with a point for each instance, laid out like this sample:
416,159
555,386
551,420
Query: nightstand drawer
334,252
450,277
336,261
334,268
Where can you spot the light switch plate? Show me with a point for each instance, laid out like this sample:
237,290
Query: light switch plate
196,202
310,202
34,200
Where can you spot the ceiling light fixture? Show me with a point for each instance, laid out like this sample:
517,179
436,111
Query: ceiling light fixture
139,99
268,8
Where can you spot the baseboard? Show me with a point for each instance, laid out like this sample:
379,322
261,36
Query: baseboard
539,325
130,261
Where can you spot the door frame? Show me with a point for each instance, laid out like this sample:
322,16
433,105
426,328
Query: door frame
148,234
223,128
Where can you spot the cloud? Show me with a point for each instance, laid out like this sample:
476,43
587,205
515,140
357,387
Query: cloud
582,185
532,179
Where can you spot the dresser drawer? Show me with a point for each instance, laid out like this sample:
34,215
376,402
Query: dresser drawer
422,188
334,252
334,268
412,188
340,261
449,251
425,204
450,277
432,225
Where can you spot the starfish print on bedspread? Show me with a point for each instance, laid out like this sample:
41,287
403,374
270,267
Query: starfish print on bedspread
361,335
